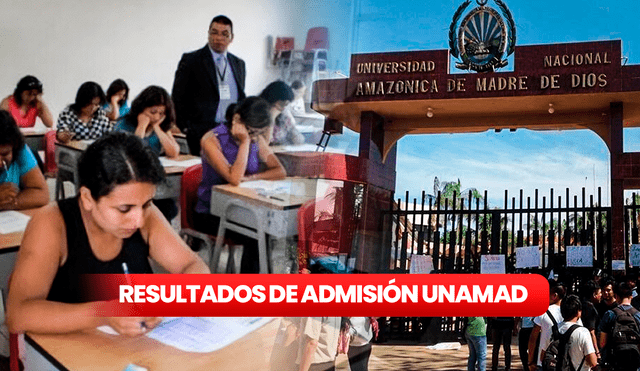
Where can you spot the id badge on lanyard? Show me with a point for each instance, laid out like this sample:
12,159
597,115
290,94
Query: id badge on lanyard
225,91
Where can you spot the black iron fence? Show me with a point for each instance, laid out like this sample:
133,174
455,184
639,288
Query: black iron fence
456,230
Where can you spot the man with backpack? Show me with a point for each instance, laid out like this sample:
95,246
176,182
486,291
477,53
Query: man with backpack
620,332
543,325
576,351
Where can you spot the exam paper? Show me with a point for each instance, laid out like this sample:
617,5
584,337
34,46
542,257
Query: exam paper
204,334
13,221
268,187
166,162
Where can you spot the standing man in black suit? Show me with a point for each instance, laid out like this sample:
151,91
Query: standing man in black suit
207,81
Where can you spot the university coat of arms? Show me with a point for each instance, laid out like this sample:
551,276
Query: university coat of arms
483,39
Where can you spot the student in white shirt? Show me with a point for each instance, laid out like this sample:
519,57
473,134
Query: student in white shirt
542,326
581,349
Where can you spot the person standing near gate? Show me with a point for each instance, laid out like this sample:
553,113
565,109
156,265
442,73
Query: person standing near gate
207,81
501,331
619,330
542,326
476,335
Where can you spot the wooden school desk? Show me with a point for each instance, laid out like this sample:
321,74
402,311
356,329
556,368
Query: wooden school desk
245,211
97,351
67,155
11,241
9,244
34,137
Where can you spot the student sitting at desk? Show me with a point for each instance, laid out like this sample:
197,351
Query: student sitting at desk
233,152
26,104
84,119
110,222
151,118
116,105
284,130
22,185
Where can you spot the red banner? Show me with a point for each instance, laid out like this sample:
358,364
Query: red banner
275,295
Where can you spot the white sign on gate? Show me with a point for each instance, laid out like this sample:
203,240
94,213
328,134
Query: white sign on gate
421,264
634,255
492,264
528,257
579,256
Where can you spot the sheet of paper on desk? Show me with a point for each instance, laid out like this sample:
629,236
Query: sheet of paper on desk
13,221
204,334
166,162
296,148
31,130
268,187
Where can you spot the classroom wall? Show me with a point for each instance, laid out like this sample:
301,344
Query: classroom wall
65,43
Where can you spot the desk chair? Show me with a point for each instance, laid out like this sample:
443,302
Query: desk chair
50,152
219,257
317,235
251,217
66,172
323,233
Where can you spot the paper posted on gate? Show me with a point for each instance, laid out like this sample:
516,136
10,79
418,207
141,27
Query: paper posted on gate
579,256
528,257
421,264
634,255
492,264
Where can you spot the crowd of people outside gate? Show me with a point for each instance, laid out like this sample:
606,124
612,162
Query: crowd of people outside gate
596,330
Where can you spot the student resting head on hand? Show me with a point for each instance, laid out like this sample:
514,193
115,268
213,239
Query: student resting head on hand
151,118
26,104
111,221
116,105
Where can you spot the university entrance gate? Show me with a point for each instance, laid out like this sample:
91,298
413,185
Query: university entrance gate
553,87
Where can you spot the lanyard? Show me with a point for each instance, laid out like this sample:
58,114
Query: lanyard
224,72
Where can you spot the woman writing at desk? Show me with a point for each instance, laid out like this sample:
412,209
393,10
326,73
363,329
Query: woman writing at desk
233,152
22,185
110,222
84,119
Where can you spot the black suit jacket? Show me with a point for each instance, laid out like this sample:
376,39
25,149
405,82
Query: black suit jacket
196,95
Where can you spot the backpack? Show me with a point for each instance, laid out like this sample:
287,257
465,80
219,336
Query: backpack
557,357
625,338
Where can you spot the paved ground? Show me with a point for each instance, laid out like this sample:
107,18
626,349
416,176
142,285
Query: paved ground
417,357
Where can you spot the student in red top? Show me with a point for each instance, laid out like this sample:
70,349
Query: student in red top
26,104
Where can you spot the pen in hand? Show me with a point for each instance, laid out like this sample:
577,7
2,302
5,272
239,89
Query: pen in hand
125,270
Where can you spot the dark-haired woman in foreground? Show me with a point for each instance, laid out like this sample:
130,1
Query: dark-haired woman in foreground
22,185
84,119
111,221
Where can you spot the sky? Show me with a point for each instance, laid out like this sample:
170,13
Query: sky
507,160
